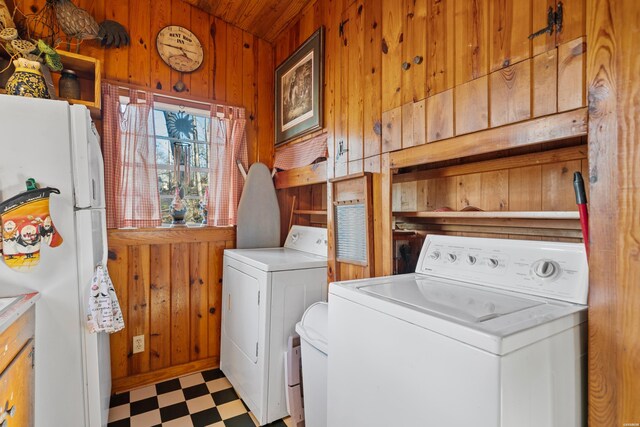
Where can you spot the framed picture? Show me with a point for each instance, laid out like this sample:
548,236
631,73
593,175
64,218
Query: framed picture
299,90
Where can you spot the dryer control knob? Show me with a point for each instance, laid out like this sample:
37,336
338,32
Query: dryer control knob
471,259
493,263
451,257
434,255
545,269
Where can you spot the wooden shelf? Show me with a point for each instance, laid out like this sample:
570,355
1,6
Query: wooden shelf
306,175
309,212
482,214
89,73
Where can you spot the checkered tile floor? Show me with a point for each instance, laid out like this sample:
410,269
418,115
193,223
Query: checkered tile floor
198,400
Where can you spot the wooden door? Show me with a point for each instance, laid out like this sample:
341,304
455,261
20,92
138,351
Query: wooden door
573,23
17,389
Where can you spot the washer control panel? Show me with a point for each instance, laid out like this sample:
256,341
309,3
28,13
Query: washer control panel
307,239
549,269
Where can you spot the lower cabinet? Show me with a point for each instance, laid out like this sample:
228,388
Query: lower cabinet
17,389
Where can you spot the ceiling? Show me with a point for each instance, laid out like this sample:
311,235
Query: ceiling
263,18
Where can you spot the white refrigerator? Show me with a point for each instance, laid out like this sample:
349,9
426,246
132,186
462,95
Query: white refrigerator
58,146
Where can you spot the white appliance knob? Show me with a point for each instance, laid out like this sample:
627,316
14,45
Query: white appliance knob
434,255
471,259
452,257
493,263
545,269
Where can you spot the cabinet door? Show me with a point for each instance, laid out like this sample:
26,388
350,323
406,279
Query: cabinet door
17,389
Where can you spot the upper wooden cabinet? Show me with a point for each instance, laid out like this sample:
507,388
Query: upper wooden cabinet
573,23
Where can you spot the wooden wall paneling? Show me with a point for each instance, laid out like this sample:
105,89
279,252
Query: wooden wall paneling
396,197
407,125
355,49
557,186
305,202
218,65
392,130
249,95
372,164
510,26
234,65
511,94
355,166
160,17
138,297
414,79
180,15
471,39
546,41
118,266
427,192
160,306
545,84
180,314
446,193
117,60
408,195
469,191
392,38
571,74
472,106
200,26
439,60
342,103
141,43
573,21
265,114
372,108
440,116
332,272
384,240
419,122
494,191
525,189
198,305
613,347
332,61
376,187
214,295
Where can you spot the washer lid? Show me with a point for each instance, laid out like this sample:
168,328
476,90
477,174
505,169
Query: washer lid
493,320
277,259
457,302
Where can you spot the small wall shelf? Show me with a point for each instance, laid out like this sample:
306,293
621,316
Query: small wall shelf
89,73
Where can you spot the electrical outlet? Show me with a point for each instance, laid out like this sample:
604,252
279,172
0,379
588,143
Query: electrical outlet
138,344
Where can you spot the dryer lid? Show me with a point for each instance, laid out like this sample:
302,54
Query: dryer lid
462,303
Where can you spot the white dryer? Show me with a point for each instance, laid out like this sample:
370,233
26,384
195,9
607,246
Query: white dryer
486,333
265,293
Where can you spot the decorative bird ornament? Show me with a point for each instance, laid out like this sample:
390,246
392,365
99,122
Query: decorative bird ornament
77,23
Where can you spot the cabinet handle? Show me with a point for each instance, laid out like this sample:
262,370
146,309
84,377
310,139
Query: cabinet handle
406,66
418,59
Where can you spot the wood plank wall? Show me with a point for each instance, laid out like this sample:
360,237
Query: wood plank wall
169,284
403,74
614,267
238,67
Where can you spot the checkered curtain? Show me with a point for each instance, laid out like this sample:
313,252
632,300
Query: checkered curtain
228,145
131,179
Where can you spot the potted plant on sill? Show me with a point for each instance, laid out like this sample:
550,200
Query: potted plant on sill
28,57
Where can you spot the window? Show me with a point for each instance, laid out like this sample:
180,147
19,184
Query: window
179,131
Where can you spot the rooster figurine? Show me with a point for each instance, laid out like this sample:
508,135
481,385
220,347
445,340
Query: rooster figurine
78,23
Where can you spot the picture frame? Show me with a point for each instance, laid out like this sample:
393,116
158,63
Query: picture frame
298,90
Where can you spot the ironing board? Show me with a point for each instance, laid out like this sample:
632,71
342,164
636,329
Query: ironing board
258,211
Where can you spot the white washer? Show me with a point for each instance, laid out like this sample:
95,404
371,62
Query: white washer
487,332
265,292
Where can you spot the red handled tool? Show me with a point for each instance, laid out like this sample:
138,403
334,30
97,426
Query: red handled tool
581,201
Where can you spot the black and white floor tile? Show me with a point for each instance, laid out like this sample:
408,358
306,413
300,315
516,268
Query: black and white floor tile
198,400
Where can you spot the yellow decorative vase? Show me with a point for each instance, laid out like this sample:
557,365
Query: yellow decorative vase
27,80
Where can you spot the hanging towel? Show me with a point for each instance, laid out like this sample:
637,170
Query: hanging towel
104,310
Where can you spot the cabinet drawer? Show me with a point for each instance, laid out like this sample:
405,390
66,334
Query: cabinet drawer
15,337
16,389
